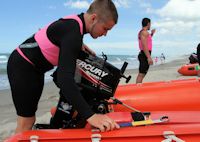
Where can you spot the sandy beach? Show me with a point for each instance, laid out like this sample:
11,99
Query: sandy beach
162,72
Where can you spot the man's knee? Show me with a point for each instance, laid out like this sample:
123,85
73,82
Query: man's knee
142,75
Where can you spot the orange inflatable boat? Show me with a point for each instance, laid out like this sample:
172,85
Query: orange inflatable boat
188,69
174,107
179,95
179,127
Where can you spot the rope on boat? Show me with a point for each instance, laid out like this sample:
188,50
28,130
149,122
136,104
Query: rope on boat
34,138
96,137
170,136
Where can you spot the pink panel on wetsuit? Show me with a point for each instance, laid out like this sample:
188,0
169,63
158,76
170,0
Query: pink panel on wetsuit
49,50
22,54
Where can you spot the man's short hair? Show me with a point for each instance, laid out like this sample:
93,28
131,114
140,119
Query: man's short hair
145,22
105,9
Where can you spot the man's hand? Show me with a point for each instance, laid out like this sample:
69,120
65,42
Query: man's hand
150,61
153,31
103,122
87,49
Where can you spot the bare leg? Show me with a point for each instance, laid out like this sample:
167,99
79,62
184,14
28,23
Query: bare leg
140,78
24,123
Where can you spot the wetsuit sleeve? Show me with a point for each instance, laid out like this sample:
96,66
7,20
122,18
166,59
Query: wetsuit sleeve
70,46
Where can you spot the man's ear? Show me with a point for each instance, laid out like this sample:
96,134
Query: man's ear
93,18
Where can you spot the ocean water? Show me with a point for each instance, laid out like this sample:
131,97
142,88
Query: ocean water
4,84
116,60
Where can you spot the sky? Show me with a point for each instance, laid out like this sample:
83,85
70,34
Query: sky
176,23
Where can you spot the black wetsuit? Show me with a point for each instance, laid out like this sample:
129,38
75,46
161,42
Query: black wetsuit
27,80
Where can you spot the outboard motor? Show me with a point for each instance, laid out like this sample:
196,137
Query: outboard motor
97,80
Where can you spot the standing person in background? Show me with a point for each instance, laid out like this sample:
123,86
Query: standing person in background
162,58
145,45
198,53
198,57
58,44
156,60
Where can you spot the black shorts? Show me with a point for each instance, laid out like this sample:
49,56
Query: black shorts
143,63
26,84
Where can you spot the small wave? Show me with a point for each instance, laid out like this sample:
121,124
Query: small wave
3,59
3,62
131,58
118,59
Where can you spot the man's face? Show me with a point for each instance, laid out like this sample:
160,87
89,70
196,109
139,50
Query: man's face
100,28
149,26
